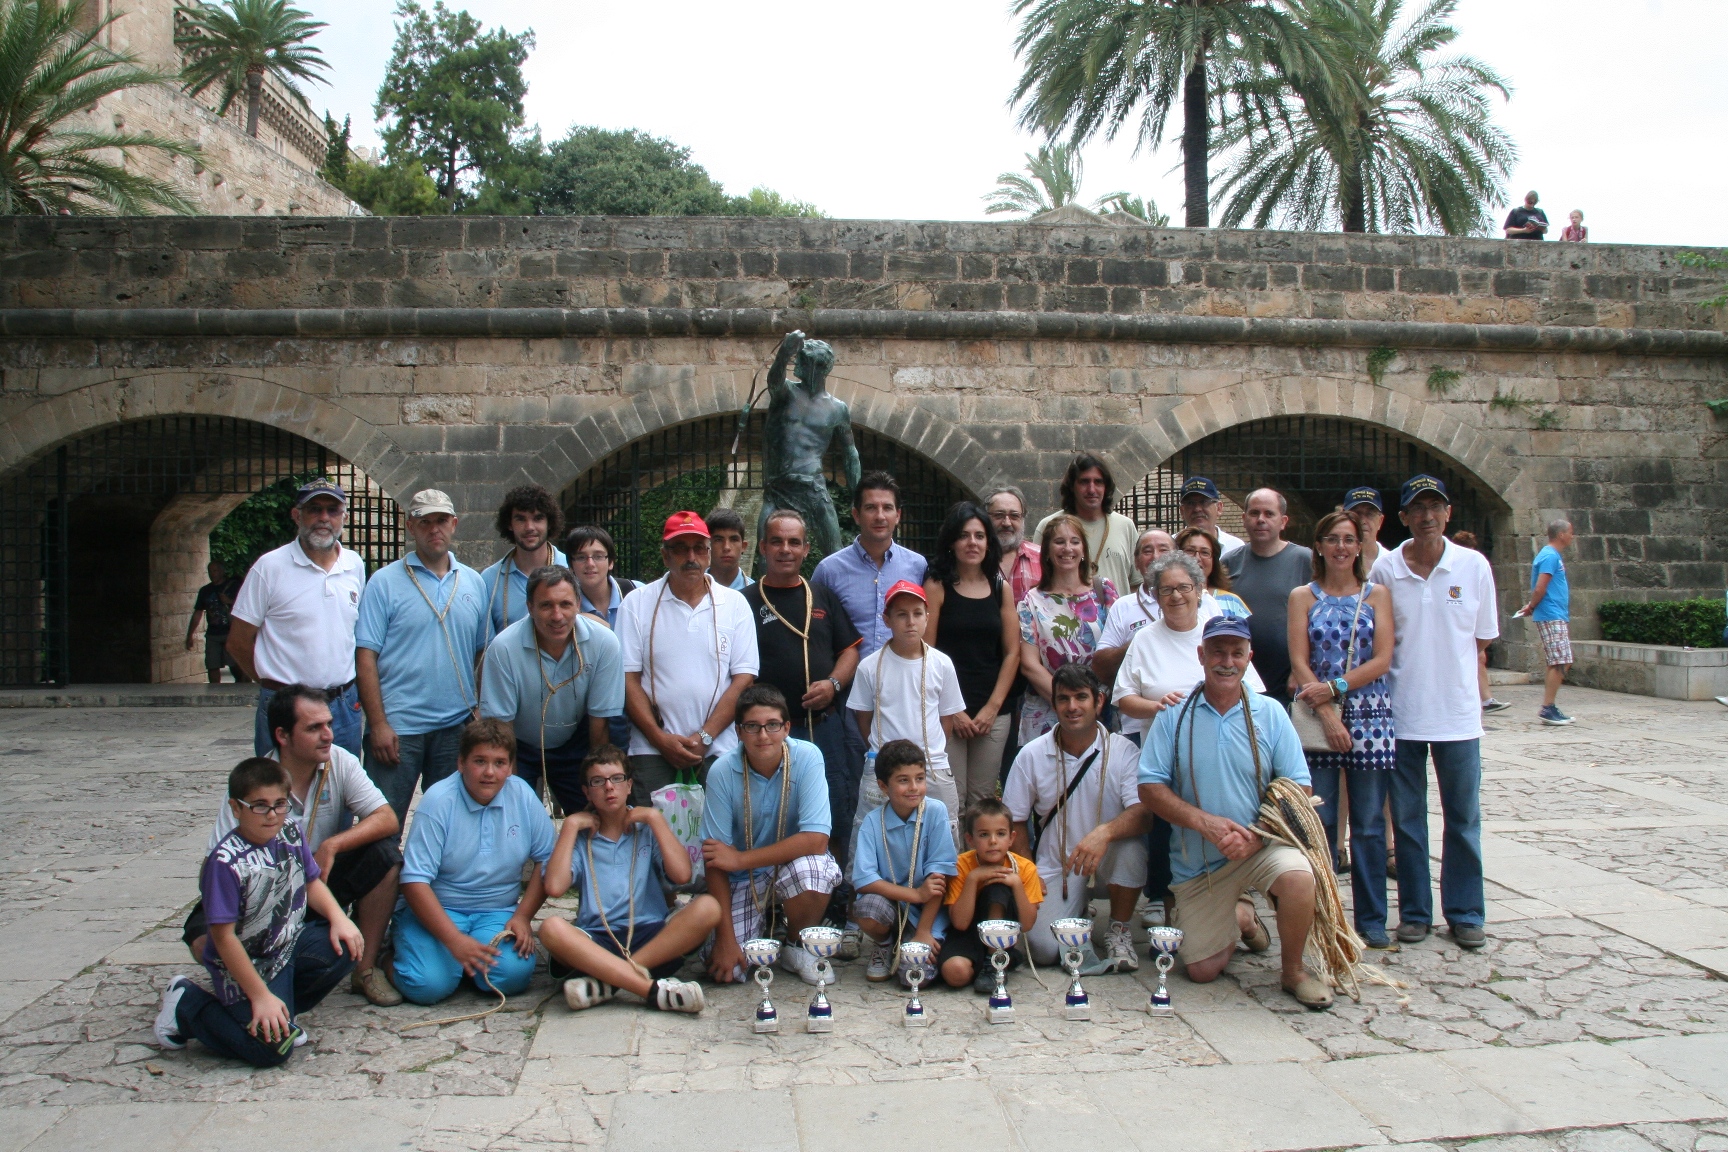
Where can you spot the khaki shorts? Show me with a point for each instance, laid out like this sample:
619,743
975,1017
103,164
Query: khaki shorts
1206,905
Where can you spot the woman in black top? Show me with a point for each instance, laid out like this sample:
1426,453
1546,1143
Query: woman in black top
972,619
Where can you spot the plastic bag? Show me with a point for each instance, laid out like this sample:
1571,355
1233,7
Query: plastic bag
681,804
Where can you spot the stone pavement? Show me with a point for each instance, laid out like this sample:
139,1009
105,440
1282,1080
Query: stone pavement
1595,1021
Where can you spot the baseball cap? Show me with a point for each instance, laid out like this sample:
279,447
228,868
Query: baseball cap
428,501
685,524
1363,496
320,487
904,588
1199,486
1418,484
1226,626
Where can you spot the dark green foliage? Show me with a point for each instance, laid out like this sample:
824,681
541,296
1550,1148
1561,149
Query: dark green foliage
337,143
595,172
1378,361
233,45
1443,380
395,189
1685,623
259,524
1699,260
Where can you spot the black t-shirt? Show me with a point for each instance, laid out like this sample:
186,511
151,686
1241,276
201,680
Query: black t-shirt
780,650
1520,216
213,602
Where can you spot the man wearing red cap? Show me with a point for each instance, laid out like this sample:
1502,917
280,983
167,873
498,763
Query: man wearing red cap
689,650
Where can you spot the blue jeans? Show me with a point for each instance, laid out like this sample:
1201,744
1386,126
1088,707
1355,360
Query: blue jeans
345,721
423,758
830,739
426,972
1458,769
312,975
843,791
1367,838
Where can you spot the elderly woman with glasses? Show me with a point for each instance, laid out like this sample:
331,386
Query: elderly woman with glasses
1203,546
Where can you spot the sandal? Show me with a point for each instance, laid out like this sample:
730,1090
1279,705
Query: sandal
585,991
1256,939
676,996
1311,992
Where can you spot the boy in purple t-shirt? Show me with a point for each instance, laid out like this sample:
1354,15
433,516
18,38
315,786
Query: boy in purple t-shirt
256,886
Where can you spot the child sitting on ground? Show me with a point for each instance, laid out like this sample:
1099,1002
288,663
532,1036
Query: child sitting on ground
256,887
991,884
619,859
905,856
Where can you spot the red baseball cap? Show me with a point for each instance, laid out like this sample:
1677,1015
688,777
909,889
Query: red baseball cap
685,524
904,588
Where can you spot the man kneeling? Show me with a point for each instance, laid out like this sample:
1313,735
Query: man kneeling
462,891
619,859
765,825
1203,769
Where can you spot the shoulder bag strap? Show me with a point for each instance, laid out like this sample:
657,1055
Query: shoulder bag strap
1043,821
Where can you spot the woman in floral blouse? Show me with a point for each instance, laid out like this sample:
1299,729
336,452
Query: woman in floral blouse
1060,620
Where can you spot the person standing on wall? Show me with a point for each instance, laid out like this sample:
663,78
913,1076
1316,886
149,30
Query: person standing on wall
293,622
214,604
1088,493
1263,574
1201,503
1550,606
1527,222
530,519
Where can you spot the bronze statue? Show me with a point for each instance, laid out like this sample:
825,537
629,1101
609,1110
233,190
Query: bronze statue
803,422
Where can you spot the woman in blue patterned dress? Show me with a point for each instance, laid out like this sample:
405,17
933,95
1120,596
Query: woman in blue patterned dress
1348,692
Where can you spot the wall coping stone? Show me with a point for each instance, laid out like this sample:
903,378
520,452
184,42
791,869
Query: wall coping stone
1665,654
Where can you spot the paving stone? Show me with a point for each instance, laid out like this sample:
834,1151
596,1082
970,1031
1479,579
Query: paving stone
1580,1084
737,1121
1417,1096
1701,1061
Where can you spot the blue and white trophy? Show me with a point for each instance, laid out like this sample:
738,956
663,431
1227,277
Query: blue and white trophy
761,954
821,942
1074,933
1164,942
915,958
999,936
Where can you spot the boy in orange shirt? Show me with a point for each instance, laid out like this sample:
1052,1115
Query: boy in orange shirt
992,884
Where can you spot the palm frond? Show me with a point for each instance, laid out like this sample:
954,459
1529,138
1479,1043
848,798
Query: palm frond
1050,179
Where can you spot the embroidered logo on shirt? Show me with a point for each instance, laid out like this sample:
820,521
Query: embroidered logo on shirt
1455,591
353,596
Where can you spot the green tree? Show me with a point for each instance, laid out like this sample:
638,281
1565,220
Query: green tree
52,72
1050,179
236,43
1088,65
1146,209
767,202
597,172
453,93
1401,141
397,188
338,144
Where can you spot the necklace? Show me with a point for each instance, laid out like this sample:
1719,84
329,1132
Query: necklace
1103,738
765,903
902,912
803,638
713,618
449,644
600,905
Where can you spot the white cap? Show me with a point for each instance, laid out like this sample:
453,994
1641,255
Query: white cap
429,501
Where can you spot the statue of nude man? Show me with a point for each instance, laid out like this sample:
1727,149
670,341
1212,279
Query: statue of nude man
803,422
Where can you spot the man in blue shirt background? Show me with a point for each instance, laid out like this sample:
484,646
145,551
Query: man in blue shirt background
1550,606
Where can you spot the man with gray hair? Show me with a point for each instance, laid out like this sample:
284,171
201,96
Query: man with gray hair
1022,565
1129,614
1550,606
1264,574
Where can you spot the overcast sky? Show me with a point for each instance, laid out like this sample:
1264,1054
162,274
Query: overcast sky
898,108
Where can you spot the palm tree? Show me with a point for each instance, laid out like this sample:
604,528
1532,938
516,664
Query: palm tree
52,71
1146,209
235,43
1088,64
1406,143
1050,179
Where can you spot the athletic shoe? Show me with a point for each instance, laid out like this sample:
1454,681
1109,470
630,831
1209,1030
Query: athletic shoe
984,982
1120,947
1469,936
585,991
1379,941
300,1037
167,1027
801,964
376,987
851,942
1411,932
677,996
1493,705
1551,714
1153,915
881,963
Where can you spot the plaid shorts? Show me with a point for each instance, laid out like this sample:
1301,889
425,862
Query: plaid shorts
1556,641
805,874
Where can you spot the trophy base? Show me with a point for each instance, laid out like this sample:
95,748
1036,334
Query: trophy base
1160,1009
917,1019
1077,1009
999,1012
768,1023
819,1022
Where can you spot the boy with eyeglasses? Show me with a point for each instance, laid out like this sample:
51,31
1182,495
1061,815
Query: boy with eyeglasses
765,827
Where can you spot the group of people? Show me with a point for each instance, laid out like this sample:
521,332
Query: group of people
899,746
1528,222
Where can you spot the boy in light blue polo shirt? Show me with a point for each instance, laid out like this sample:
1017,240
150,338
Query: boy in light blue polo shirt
422,624
463,910
900,898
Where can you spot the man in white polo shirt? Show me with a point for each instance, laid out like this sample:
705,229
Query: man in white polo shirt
1131,613
1444,614
294,619
689,651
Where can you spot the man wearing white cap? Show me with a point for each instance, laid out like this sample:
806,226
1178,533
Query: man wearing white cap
293,622
423,624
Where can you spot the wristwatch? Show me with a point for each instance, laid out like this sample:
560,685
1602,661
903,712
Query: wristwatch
702,735
838,687
1340,687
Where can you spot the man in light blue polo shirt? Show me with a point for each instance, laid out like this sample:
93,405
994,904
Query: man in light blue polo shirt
422,625
462,874
1199,771
530,519
556,677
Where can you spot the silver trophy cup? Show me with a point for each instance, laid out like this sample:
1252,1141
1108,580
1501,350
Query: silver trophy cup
999,936
1074,933
760,954
915,958
821,943
1164,941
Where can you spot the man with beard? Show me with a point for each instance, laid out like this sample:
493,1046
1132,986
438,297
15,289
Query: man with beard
530,519
1020,559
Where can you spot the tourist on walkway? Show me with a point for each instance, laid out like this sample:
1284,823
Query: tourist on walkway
530,520
1007,508
1060,620
1366,504
689,650
1575,232
594,560
1340,650
1203,769
973,619
727,545
1132,613
1201,503
1550,606
1088,494
213,605
1443,608
557,678
1217,598
1527,222
294,618
1263,574
423,625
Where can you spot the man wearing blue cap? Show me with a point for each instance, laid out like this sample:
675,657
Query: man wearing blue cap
1365,504
1200,505
293,622
1443,608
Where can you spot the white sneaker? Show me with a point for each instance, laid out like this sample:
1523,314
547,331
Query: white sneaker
677,996
585,991
881,963
801,964
167,1027
1120,947
851,942
1153,915
300,1037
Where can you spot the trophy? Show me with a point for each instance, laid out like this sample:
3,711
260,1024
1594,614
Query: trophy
1165,941
914,956
761,954
999,936
822,943
1074,933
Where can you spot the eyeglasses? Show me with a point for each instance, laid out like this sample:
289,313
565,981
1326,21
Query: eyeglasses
1335,541
1175,590
1199,553
756,728
1007,515
266,808
598,557
617,781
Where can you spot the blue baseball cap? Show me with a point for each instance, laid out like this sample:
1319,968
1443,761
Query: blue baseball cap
1417,485
1199,486
1226,626
1363,496
320,487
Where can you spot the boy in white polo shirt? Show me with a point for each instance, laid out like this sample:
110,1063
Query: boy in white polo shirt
1443,611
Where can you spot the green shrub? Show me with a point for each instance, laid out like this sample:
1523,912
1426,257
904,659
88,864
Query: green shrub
1685,623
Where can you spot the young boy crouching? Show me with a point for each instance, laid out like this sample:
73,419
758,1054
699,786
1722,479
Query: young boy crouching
991,884
904,859
618,859
256,887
